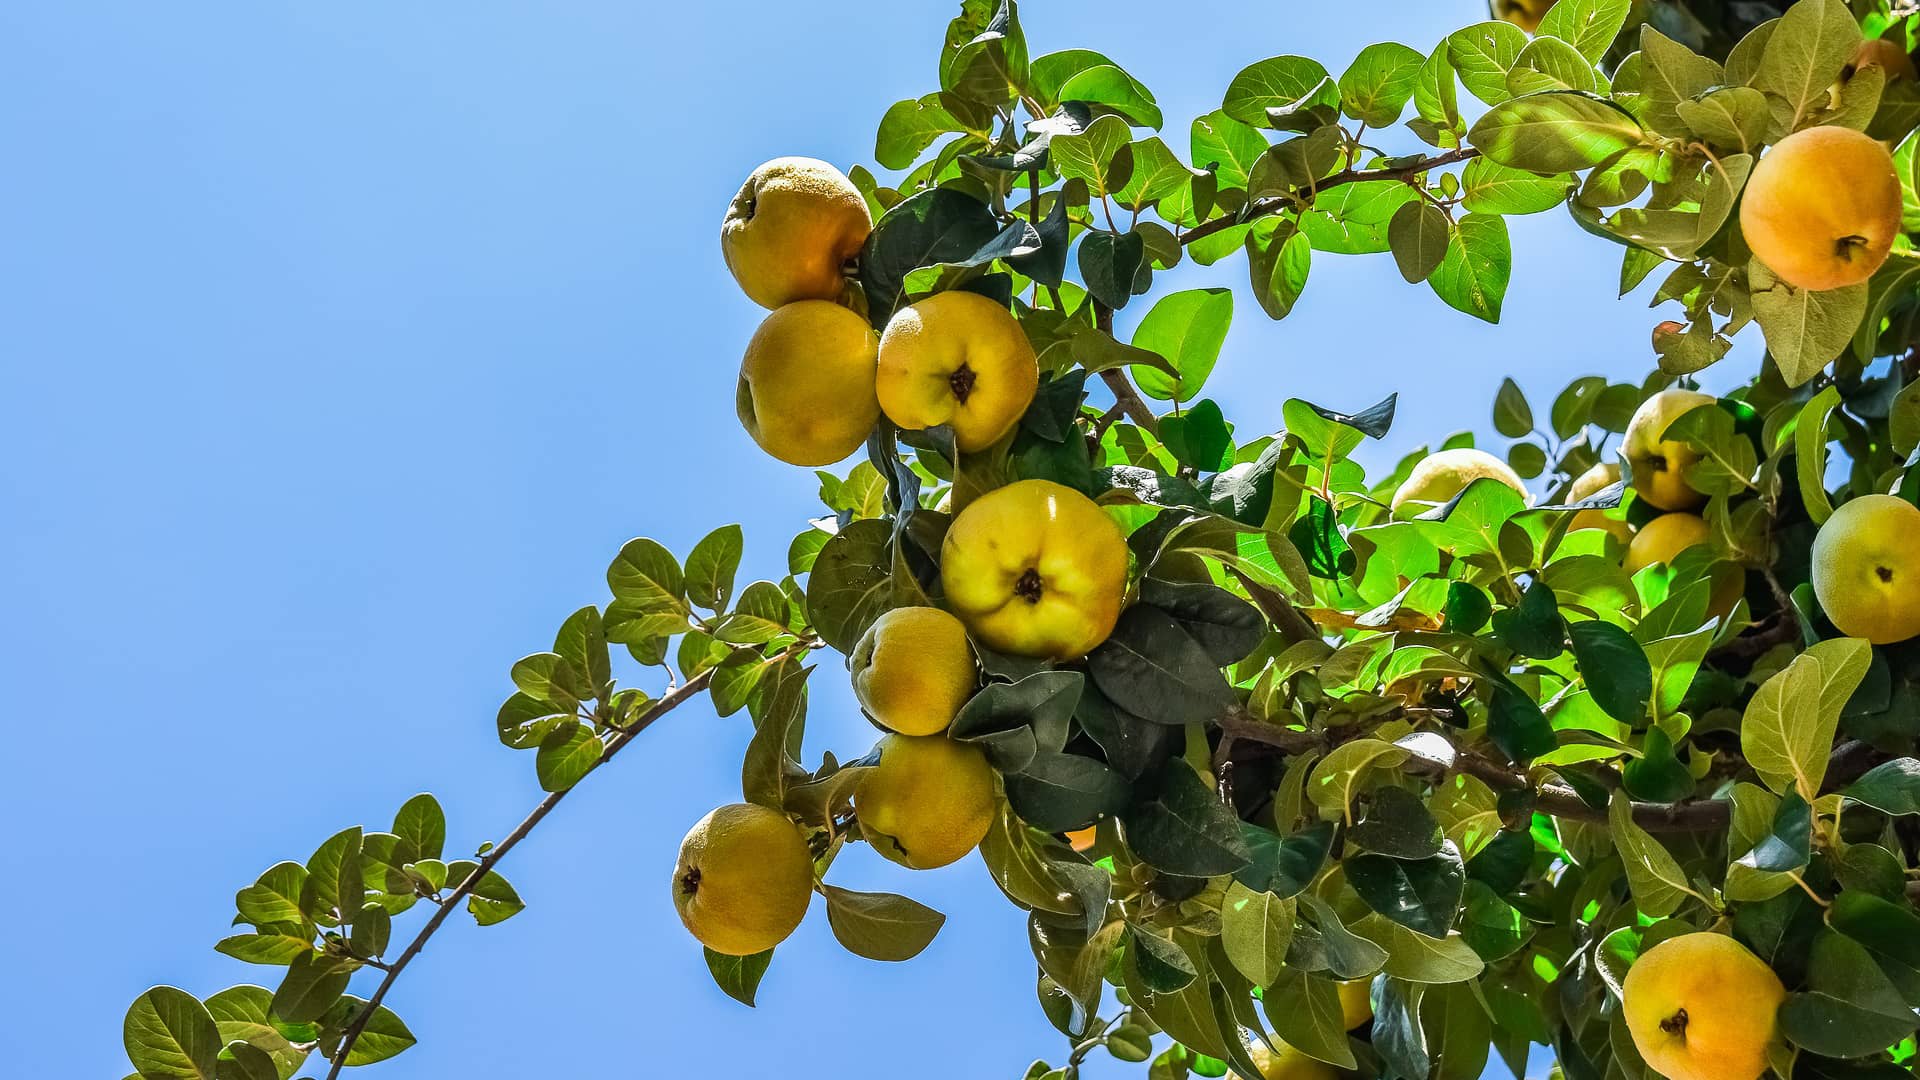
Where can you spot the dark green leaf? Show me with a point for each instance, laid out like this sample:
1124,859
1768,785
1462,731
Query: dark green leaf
1420,894
1183,828
1060,792
1615,668
168,1033
1159,670
1398,825
1227,627
738,976
880,926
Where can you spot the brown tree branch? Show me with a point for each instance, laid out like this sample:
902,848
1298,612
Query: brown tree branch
1125,397
679,695
1271,204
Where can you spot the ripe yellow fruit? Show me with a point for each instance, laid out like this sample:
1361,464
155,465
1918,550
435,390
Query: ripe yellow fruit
1035,569
1289,1064
913,670
1440,476
1822,208
1866,568
1592,482
1888,56
743,879
1356,1003
928,802
1525,14
791,229
1701,1007
1660,465
1664,538
960,359
806,384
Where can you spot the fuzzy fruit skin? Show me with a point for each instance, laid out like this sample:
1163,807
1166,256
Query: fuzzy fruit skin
1356,1003
791,229
957,358
1822,208
1664,538
1660,466
806,383
913,670
928,802
1289,1064
1442,475
1729,998
743,879
1525,14
1592,482
1035,569
1886,55
1866,568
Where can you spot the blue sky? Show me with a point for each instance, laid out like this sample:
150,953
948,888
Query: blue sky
340,348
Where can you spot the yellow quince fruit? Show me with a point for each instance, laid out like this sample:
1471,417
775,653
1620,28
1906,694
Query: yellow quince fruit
1035,569
913,670
743,879
1660,465
1866,568
928,802
1701,1007
1664,538
789,232
806,384
960,359
1822,208
1288,1064
1441,475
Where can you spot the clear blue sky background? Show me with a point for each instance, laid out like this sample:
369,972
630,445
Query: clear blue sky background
341,345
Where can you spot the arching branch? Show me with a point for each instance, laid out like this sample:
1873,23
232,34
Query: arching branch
1272,204
686,691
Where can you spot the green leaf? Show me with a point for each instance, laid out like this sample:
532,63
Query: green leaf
1483,54
1551,64
313,983
1305,1012
1164,966
1805,330
1060,792
1788,842
1159,670
1130,1042
1418,236
934,227
1488,187
421,823
908,128
1183,828
169,1033
1671,74
1187,328
384,1036
1227,146
647,577
1284,866
711,566
1420,894
1199,437
371,931
1558,131
738,976
1659,885
1099,155
1472,276
1615,668
1107,84
1810,453
1279,258
1892,787
1787,730
493,900
1516,724
1255,928
248,1062
1293,84
1110,264
1353,219
566,757
1735,117
1588,25
243,1014
275,897
1533,627
1850,1008
275,949
1013,721
1803,57
851,583
1375,88
334,879
1398,825
1417,958
880,926
1349,954
1336,778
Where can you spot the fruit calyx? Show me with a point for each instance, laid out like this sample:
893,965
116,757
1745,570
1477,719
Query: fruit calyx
1884,573
1029,587
1847,245
690,881
961,382
1675,1024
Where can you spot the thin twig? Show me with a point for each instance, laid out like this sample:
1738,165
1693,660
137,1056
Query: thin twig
1272,204
691,688
1124,395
